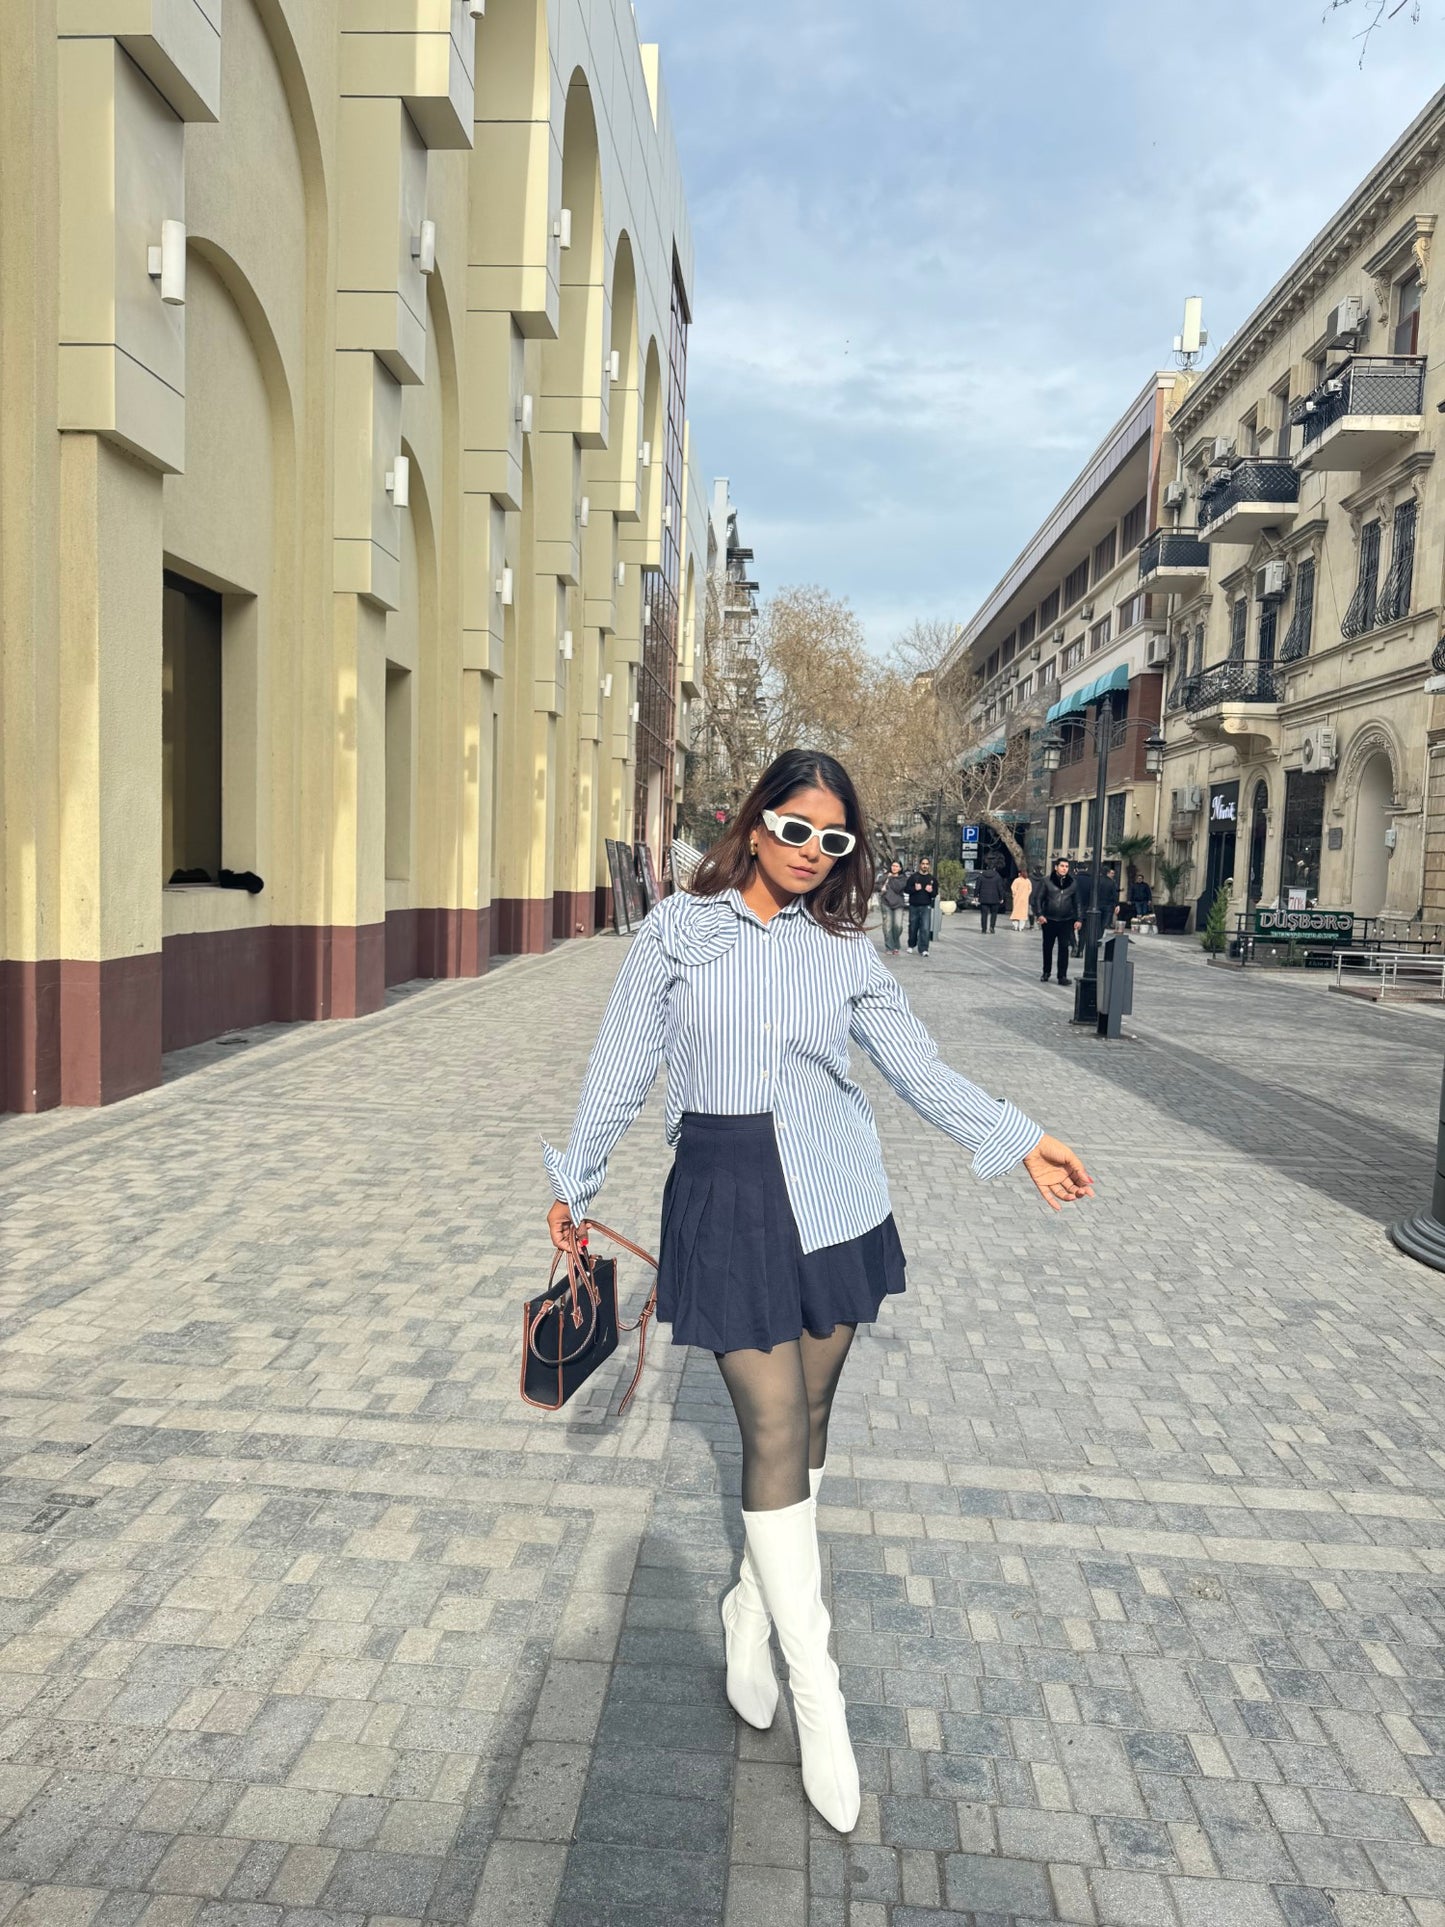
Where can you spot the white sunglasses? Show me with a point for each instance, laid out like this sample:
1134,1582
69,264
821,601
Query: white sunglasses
797,833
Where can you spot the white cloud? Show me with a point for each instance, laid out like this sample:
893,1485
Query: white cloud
941,244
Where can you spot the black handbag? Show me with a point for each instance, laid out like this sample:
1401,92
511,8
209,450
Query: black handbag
571,1328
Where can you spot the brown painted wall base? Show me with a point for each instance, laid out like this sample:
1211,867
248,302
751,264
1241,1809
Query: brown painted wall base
91,1033
110,1028
601,908
523,925
572,914
29,1036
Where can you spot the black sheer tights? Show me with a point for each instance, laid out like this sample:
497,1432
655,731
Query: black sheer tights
782,1399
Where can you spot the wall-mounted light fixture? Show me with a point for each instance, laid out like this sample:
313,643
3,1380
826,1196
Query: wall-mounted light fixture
644,454
607,684
504,588
562,228
584,511
614,365
667,515
424,247
524,413
637,712
398,482
478,9
565,644
621,574
647,615
167,263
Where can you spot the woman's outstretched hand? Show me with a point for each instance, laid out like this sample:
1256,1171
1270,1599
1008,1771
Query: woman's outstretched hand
1058,1173
559,1219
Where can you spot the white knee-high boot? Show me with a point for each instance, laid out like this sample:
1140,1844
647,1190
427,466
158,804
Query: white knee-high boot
783,1546
752,1683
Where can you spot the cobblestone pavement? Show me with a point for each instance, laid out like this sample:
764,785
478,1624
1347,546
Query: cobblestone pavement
1134,1517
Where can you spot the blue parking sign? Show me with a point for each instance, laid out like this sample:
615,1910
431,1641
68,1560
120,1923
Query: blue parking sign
968,839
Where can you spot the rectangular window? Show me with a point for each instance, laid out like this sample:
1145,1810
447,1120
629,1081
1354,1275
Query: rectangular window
1076,824
1130,612
1026,688
1073,655
1281,423
1049,671
1027,630
1076,584
1093,830
1268,624
190,728
1105,553
1304,831
1297,636
1114,821
1407,315
1133,530
1238,629
1100,634
1073,733
1198,665
1360,615
1049,609
991,667
1249,434
398,773
1399,583
1006,652
1059,827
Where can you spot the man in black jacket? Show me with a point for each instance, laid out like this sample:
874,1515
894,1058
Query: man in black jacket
989,895
1058,906
921,890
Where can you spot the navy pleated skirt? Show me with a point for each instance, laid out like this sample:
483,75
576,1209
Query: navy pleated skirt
732,1272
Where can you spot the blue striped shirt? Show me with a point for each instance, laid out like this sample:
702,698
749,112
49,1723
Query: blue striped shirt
755,1016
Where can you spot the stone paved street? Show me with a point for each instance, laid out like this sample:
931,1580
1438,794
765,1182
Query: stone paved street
1134,1517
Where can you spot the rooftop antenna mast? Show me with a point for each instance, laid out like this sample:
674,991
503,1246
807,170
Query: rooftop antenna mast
1192,339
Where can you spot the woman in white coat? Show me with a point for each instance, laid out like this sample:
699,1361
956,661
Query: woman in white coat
1019,909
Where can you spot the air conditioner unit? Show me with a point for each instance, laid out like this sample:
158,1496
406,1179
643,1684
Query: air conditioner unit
1086,612
1317,752
1345,321
1157,654
1034,648
1176,494
1272,581
1223,449
1187,801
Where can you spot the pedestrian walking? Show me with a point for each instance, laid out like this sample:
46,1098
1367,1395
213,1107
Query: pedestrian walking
1058,908
1036,883
1108,898
921,889
1021,893
1084,896
990,896
895,904
777,1237
1138,903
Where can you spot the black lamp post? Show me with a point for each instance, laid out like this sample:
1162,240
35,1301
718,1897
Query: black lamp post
1086,989
1423,1236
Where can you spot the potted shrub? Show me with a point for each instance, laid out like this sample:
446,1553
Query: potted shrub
1172,915
1215,934
951,875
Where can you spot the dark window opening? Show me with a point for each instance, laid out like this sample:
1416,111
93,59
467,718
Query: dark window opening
191,676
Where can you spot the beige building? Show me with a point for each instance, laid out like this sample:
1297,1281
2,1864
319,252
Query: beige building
1300,553
348,539
1067,622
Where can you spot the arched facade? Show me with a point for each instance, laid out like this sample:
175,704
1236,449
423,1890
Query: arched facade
334,578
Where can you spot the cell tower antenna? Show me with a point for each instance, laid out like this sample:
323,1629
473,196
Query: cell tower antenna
1192,338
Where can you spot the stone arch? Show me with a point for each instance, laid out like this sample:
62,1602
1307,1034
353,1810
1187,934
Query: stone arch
654,427
1375,738
624,310
573,376
1373,790
1257,817
514,62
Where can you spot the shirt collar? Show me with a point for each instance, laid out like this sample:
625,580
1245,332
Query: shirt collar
734,899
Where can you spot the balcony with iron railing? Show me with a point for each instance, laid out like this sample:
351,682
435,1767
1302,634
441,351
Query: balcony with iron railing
1365,410
1254,493
1174,562
1235,703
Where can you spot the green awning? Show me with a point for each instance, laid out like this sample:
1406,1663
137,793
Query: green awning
995,748
1079,701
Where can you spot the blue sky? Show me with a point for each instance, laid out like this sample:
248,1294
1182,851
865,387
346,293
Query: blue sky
941,243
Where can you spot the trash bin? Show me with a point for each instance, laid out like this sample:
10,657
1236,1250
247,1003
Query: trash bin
1116,985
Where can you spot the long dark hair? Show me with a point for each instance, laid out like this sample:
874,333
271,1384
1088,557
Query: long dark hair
840,902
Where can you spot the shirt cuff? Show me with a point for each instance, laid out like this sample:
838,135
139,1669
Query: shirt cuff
564,1189
1007,1144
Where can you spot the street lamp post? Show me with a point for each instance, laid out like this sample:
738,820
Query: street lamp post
1423,1236
1086,990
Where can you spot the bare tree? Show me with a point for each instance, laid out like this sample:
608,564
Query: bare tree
1378,11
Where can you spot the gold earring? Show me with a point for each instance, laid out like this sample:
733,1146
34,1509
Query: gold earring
753,846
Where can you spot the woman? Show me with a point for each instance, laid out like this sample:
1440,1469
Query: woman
777,1238
1021,893
895,904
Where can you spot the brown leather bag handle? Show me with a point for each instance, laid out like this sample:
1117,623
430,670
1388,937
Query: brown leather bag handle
575,1236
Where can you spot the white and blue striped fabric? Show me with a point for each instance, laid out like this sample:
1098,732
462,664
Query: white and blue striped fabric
753,1017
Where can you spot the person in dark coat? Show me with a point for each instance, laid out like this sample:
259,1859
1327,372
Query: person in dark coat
921,890
1139,902
1058,908
1108,899
989,895
895,902
1036,880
